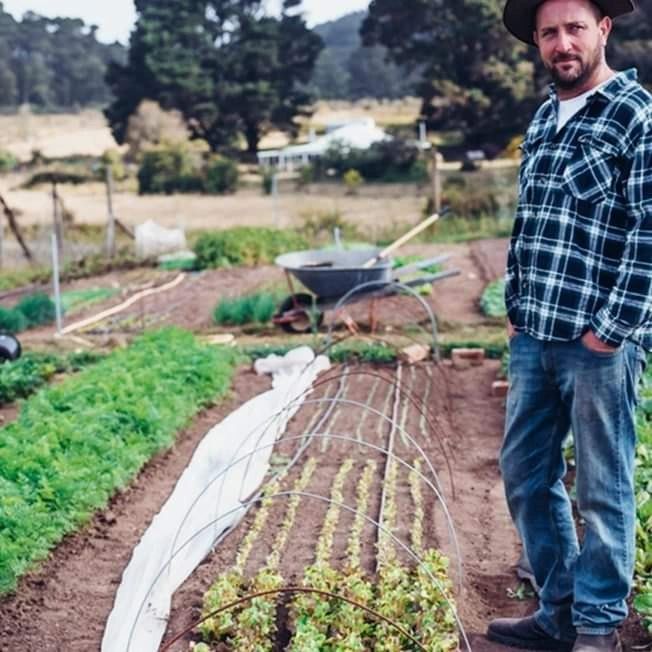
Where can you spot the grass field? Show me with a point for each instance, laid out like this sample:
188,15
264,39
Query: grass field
56,135
376,211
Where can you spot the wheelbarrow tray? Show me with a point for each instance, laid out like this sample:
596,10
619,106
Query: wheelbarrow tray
331,273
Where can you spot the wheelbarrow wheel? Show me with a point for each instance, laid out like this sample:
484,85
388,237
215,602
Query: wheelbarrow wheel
297,314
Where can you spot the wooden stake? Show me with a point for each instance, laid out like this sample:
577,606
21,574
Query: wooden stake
56,219
436,180
110,224
13,225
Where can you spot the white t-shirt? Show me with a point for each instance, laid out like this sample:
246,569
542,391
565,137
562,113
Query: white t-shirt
568,108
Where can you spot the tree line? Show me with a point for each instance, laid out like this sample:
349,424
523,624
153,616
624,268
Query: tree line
230,69
348,70
53,62
235,72
473,76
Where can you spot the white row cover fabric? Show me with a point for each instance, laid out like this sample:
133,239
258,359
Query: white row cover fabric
186,528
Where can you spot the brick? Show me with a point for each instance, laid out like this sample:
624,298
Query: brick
414,353
463,358
499,388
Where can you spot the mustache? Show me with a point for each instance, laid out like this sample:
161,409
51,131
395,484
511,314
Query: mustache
565,58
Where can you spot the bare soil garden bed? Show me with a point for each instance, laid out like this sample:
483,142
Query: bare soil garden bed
64,606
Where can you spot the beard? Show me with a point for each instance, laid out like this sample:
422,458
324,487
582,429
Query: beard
576,76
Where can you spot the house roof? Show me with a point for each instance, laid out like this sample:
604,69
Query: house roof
358,134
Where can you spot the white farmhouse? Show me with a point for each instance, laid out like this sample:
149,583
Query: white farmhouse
357,134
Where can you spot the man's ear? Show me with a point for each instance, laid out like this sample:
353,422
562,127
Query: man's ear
605,26
535,38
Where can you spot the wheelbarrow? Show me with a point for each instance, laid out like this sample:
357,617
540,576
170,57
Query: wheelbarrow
331,274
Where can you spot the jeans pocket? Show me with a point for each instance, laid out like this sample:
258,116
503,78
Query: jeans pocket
599,354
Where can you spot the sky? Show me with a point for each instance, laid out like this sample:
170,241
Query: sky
116,18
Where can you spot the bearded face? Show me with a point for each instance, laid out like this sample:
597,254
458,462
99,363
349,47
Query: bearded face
570,71
571,36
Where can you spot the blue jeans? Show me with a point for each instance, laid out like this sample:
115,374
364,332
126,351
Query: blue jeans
556,387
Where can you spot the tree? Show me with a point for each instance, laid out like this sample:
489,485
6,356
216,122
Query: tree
372,75
631,42
229,68
52,62
330,81
474,76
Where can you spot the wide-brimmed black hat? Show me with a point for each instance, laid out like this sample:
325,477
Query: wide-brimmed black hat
519,15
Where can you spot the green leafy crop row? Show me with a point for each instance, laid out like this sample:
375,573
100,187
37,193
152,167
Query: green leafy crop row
408,596
492,301
75,443
24,376
247,309
32,310
643,599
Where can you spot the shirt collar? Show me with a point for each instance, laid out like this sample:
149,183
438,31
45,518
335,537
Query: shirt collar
616,85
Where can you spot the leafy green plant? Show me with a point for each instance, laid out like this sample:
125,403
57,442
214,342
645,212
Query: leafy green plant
31,310
75,443
257,622
306,175
390,161
352,180
313,614
319,227
10,279
112,159
374,352
643,478
12,320
168,168
244,246
267,182
492,301
253,308
7,161
73,300
220,175
22,377
38,309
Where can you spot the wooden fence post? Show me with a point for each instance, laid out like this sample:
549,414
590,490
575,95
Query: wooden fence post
57,220
110,223
436,180
13,225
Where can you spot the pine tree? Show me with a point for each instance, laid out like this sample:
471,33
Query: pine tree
229,68
474,77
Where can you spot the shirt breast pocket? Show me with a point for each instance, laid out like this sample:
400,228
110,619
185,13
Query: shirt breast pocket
591,171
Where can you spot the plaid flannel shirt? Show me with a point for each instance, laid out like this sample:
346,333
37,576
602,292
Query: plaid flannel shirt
580,255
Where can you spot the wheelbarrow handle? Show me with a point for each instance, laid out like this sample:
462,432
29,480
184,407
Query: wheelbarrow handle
402,240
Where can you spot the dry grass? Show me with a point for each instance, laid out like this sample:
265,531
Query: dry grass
385,112
58,135
373,212
55,135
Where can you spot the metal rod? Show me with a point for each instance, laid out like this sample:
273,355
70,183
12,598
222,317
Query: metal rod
436,581
55,281
291,589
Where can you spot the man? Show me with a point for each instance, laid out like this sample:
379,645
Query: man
579,300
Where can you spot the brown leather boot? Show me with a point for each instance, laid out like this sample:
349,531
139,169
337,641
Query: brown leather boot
525,633
598,643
